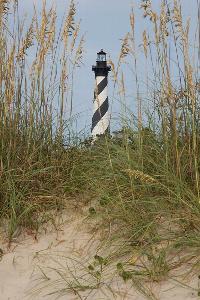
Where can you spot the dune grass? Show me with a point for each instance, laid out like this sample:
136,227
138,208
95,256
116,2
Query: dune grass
145,181
35,112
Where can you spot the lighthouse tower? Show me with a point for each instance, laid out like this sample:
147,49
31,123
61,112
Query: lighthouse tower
100,119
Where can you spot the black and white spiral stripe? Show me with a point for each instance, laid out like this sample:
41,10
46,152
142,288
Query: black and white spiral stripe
100,119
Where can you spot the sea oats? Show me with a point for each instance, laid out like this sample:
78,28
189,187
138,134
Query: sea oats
145,178
26,43
145,42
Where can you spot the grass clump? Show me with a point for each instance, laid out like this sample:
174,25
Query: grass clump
37,152
146,179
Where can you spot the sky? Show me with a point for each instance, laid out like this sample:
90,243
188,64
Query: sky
104,23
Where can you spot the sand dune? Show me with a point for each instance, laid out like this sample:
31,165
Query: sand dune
27,269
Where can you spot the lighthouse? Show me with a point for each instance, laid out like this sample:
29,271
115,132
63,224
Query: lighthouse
100,118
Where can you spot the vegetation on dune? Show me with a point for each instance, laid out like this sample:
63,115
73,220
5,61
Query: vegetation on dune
34,101
145,180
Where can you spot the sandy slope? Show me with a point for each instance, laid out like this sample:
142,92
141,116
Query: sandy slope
26,269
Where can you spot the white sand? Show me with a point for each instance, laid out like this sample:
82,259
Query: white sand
22,268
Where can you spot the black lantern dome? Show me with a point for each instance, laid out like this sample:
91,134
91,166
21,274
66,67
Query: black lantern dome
101,68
